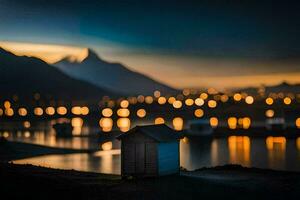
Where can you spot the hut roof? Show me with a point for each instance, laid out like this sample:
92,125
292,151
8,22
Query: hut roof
159,132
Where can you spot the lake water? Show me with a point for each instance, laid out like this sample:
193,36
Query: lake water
266,152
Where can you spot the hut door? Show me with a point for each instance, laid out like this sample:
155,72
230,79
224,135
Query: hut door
140,158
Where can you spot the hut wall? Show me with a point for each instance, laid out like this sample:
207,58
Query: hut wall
168,158
139,156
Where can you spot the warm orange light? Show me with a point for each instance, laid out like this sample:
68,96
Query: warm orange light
22,111
203,96
224,98
159,120
162,100
270,113
199,113
123,112
106,146
249,100
149,100
9,112
123,124
124,104
7,104
141,113
178,123
189,102
156,94
232,122
38,111
287,100
269,101
1,112
61,110
280,142
239,150
177,104
199,102
213,122
107,112
76,122
212,91
85,110
171,100
106,124
76,110
48,52
246,123
5,134
27,134
26,124
297,122
212,103
185,140
50,111
237,97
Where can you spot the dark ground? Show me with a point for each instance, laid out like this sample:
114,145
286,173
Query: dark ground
225,182
31,182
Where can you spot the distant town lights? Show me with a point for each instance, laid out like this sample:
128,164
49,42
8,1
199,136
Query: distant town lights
199,102
199,113
162,100
141,113
159,120
177,104
249,100
189,102
237,97
269,101
213,122
61,110
107,112
287,100
212,104
22,111
124,104
38,111
297,122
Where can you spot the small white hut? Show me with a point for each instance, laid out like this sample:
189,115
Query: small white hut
151,150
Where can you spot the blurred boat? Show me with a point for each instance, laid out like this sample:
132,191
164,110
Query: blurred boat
199,127
63,129
275,124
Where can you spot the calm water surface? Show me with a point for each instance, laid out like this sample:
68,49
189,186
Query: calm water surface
270,152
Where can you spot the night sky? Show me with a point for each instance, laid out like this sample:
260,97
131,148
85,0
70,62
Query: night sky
212,43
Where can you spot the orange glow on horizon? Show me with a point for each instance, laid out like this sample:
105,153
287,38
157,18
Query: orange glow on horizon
47,52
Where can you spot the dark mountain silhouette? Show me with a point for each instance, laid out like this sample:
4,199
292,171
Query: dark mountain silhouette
113,76
282,87
25,76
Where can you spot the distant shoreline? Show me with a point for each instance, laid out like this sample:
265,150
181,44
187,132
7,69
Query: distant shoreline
17,150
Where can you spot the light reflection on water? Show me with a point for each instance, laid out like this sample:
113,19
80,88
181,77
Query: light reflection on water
48,138
249,152
271,152
107,162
